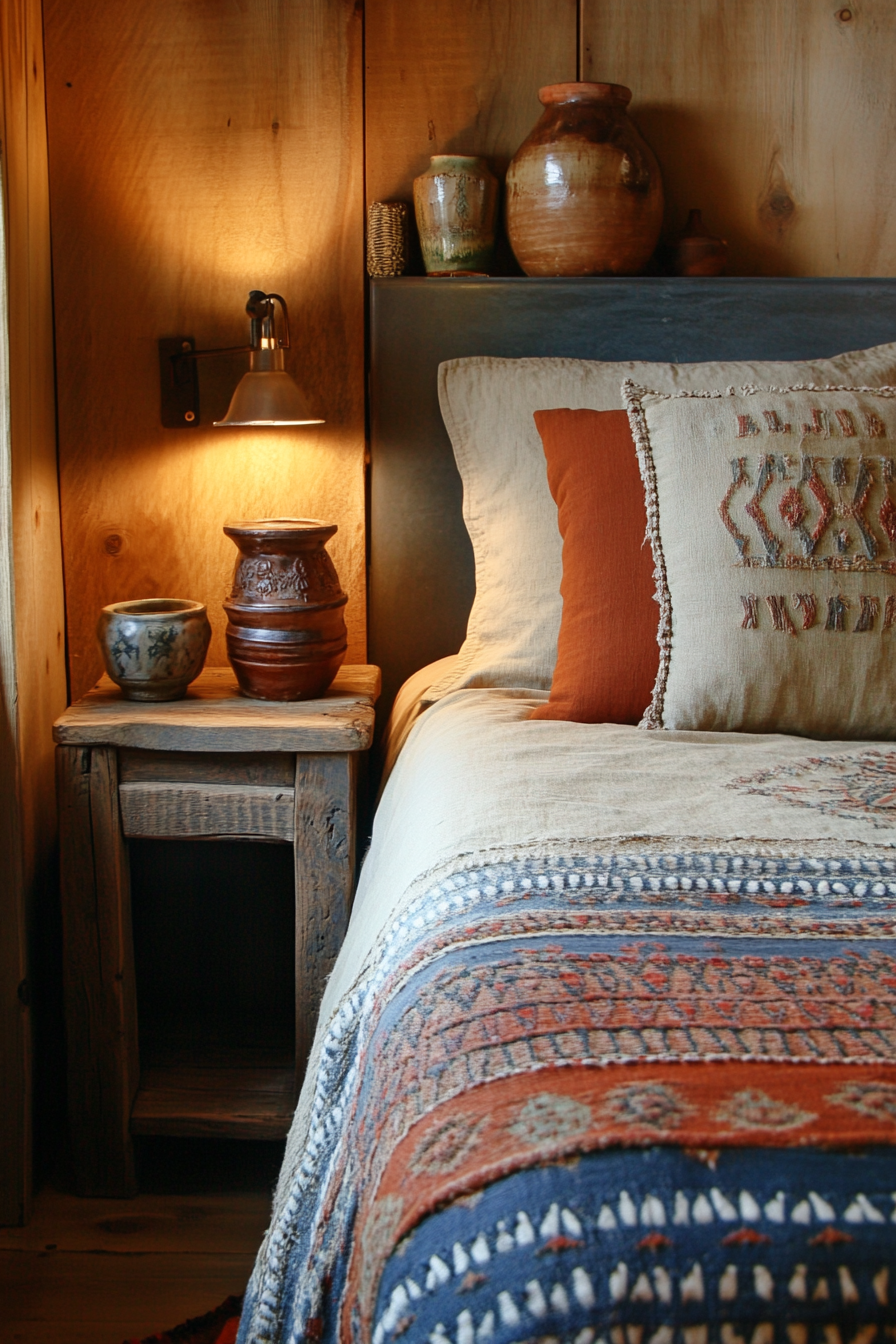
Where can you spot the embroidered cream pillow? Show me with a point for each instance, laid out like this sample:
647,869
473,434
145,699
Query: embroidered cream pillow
487,405
772,517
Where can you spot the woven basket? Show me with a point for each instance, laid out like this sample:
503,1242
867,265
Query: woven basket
387,238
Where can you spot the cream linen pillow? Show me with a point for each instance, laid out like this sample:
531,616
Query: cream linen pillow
487,405
772,517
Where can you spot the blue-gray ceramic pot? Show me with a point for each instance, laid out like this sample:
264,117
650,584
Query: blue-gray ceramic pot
154,647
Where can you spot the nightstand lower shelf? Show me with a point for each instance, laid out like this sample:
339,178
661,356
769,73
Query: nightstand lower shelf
236,1100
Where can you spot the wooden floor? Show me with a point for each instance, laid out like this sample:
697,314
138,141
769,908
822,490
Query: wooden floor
102,1271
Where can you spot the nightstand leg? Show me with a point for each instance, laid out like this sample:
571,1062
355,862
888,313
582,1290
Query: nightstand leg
325,872
100,996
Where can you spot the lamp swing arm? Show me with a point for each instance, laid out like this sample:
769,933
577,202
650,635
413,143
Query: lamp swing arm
260,309
204,354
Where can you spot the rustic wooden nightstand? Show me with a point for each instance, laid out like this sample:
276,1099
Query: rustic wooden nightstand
212,766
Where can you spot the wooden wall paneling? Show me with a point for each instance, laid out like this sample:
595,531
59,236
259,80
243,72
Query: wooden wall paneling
32,651
198,151
457,77
15,1153
775,119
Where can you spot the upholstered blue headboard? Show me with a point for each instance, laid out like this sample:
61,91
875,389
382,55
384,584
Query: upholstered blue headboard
421,564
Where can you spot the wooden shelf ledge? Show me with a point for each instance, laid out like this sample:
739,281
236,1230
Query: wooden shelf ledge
191,1100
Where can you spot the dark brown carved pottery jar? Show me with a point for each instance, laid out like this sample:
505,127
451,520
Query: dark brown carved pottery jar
584,192
286,636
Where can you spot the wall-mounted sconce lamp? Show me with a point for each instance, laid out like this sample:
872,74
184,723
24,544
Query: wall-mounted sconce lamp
266,395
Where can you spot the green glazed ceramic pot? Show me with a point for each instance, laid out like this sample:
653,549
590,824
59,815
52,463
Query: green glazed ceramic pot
456,203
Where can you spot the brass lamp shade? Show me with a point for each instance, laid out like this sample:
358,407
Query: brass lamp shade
268,397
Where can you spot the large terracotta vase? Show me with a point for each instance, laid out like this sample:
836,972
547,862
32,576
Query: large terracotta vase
286,636
455,203
584,194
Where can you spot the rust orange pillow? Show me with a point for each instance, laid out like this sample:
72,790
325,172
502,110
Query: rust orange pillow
607,651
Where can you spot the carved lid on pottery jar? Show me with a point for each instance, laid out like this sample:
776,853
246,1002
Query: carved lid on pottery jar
279,530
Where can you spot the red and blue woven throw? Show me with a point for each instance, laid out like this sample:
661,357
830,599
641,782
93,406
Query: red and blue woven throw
645,1095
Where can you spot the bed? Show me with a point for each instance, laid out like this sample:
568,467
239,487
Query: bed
609,1052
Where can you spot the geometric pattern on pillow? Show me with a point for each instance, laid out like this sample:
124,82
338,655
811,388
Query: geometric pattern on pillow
772,518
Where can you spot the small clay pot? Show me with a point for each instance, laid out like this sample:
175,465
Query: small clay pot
286,636
154,647
584,194
695,251
455,203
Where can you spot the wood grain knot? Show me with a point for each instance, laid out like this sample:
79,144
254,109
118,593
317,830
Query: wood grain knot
777,210
113,543
780,206
844,15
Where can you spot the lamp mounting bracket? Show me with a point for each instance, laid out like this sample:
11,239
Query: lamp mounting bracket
178,382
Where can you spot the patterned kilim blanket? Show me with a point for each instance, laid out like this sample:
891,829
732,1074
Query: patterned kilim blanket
737,1009
641,1092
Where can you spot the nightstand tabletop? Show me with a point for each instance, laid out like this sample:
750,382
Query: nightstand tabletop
214,716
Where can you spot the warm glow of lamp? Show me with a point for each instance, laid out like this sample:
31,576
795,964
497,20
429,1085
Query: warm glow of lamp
266,396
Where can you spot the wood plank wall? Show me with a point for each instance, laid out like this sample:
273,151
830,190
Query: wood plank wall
32,651
774,118
15,1155
457,77
198,151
